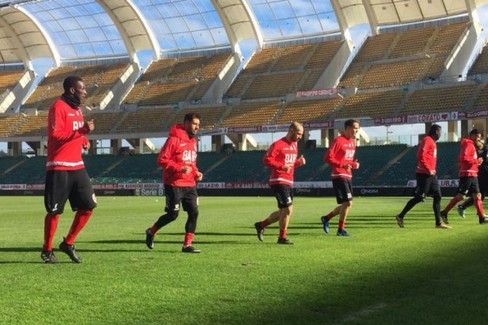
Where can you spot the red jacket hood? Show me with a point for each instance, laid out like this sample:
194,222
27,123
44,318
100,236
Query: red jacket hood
178,130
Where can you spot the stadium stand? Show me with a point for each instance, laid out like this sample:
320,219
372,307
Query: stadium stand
98,80
8,79
105,122
278,71
447,166
400,171
481,102
6,163
134,169
170,80
373,104
445,99
397,58
145,120
315,169
250,169
9,123
25,171
33,125
98,165
371,158
383,165
309,110
481,64
252,113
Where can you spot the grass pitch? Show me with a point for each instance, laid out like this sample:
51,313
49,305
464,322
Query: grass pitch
380,275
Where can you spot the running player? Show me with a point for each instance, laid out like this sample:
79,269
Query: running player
66,177
282,159
178,157
482,178
468,177
340,157
426,175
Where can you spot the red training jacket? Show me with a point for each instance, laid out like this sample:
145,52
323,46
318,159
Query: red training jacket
179,150
281,153
468,158
427,156
340,153
66,136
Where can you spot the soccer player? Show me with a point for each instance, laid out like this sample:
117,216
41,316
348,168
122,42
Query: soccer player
427,182
66,177
468,177
340,157
482,178
178,157
282,159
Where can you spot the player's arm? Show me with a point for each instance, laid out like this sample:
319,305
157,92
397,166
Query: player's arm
423,157
300,161
468,154
270,158
165,157
330,156
86,143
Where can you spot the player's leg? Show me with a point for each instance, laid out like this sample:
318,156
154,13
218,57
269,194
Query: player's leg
418,196
483,186
190,205
435,192
345,208
83,201
173,199
464,185
325,219
474,191
55,197
273,216
344,197
285,214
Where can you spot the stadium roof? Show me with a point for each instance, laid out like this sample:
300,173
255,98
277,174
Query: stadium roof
85,29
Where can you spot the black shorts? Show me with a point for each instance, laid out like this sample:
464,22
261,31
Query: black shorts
283,194
427,185
468,185
176,195
342,189
74,185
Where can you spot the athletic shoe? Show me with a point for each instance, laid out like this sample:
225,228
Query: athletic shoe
49,257
399,221
342,232
325,223
70,251
259,230
149,239
461,211
190,249
483,220
443,226
444,217
284,241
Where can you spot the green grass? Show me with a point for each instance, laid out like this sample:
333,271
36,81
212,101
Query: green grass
380,275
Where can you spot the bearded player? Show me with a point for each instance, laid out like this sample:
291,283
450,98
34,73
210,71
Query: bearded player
178,157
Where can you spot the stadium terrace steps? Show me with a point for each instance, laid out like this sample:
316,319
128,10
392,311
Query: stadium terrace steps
398,160
27,171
